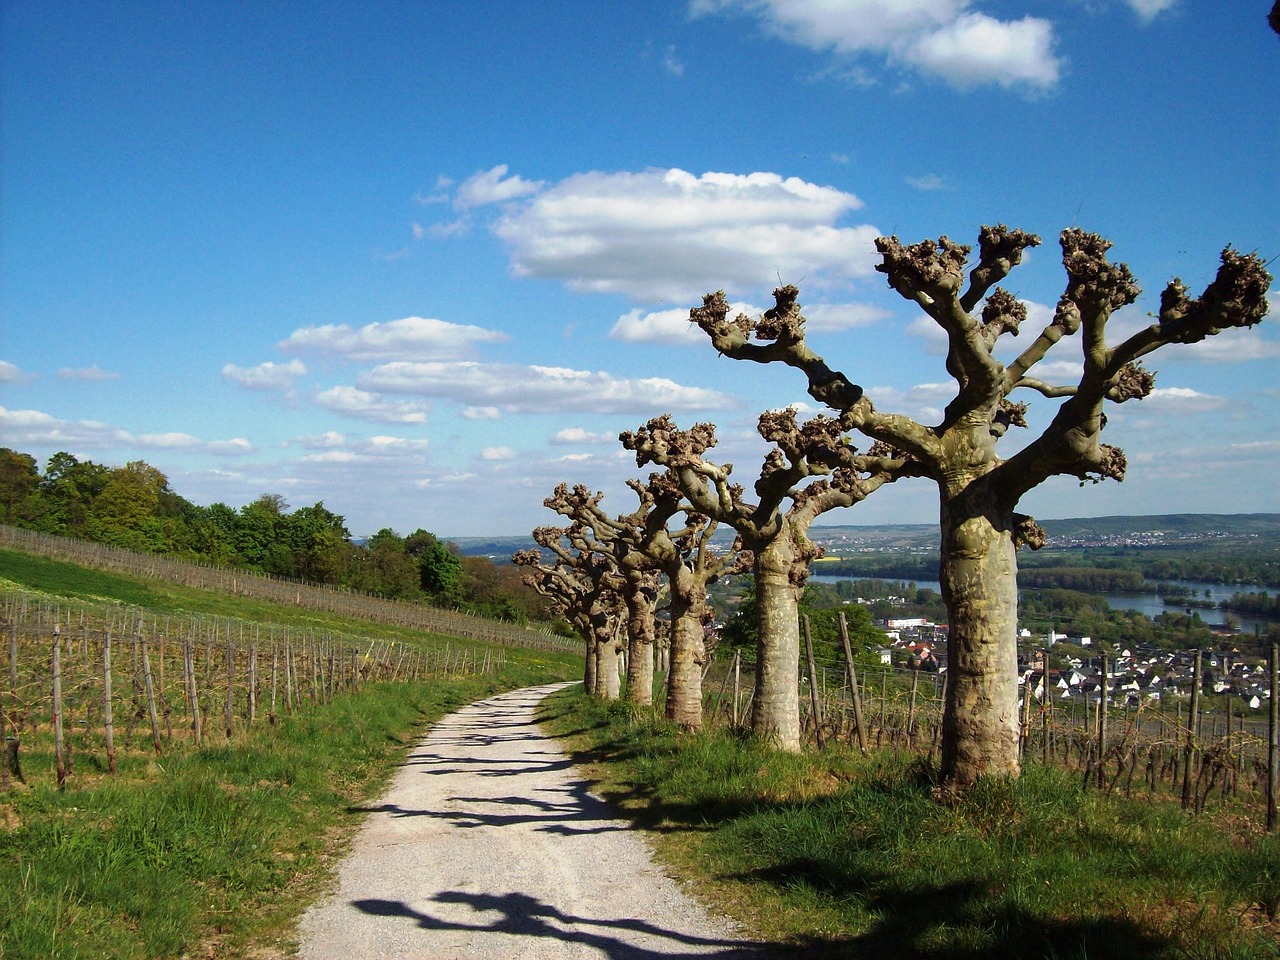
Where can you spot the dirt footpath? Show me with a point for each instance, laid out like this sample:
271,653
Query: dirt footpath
488,845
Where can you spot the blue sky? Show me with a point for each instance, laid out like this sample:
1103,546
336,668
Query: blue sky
423,261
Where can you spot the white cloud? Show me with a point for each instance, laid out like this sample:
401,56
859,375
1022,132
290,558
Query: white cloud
1181,400
1148,10
414,338
577,435
673,326
940,37
11,373
497,453
323,441
493,186
236,447
265,376
975,50
33,428
668,234
536,389
923,402
352,402
93,374
672,63
1229,346
481,413
928,182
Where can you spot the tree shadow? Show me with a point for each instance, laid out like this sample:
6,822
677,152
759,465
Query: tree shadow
520,915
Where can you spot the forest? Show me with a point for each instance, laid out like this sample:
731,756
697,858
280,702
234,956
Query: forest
134,507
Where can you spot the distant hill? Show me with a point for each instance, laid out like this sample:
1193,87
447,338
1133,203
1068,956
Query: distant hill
1146,530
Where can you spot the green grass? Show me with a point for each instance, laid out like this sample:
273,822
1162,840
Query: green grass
849,857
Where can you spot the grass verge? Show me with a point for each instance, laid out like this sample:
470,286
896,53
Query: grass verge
837,855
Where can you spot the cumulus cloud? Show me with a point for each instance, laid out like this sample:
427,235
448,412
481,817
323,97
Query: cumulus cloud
12,373
493,186
265,376
414,338
1181,400
577,435
1229,346
673,326
939,37
538,389
1148,10
481,413
668,234
94,374
362,405
923,402
497,453
33,428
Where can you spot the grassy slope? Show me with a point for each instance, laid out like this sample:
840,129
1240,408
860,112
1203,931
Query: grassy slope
844,857
212,850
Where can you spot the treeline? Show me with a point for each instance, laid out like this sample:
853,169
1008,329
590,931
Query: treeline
133,507
1091,579
1128,571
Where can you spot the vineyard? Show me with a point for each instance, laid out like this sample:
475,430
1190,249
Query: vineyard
1179,751
239,583
85,680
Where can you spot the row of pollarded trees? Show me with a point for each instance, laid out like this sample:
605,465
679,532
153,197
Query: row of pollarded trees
814,467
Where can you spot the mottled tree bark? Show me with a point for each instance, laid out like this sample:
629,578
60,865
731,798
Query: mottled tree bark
688,652
775,710
640,598
978,574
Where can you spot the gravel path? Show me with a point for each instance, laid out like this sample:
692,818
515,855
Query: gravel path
489,845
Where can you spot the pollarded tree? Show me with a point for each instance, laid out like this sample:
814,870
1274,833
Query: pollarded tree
585,588
641,543
980,490
774,529
639,574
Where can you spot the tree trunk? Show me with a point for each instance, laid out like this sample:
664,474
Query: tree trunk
688,651
639,645
608,678
979,578
775,714
589,669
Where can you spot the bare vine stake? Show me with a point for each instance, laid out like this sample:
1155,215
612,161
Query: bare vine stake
911,711
737,678
813,681
1273,747
288,676
1189,751
1102,723
853,684
275,663
151,696
108,728
228,703
253,677
60,759
193,693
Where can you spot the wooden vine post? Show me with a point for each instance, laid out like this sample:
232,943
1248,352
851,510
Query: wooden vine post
1189,751
108,728
813,682
853,684
58,749
150,691
1102,722
1273,746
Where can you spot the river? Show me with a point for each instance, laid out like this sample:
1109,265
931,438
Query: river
1146,603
